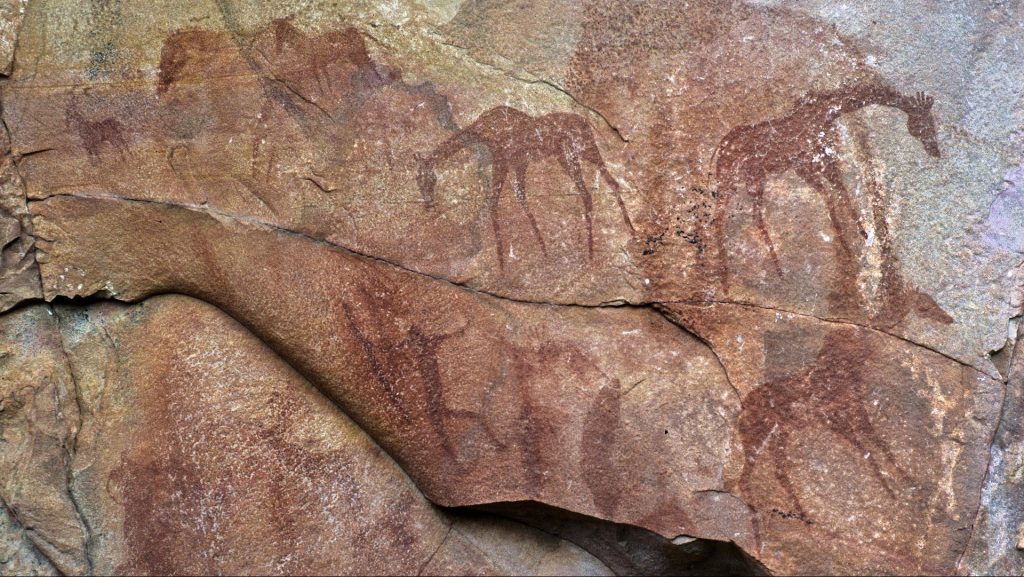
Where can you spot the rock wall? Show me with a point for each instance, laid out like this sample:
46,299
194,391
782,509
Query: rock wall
511,287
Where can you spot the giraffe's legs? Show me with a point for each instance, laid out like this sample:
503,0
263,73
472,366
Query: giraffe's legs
845,296
821,186
832,175
871,459
721,264
856,429
777,449
751,443
518,178
618,197
571,164
594,156
498,173
757,194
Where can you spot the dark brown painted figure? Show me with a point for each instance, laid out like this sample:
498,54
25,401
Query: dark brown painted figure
95,134
538,424
323,85
831,393
806,141
515,139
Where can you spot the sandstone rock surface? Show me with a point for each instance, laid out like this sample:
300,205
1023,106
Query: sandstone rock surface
511,287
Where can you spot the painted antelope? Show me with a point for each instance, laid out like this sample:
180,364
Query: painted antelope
515,139
805,141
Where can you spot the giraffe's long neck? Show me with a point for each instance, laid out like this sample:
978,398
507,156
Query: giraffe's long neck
868,94
449,147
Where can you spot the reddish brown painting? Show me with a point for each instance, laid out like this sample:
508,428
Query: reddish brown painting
806,141
830,394
897,296
408,370
97,134
514,139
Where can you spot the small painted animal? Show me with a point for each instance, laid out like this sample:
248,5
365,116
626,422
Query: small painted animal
514,139
806,140
95,133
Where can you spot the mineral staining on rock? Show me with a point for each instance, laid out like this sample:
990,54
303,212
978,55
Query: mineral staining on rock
729,272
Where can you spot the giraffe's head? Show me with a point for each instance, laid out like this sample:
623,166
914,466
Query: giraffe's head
426,179
921,122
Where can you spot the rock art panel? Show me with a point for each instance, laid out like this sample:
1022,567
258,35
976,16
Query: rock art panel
503,393
754,292
350,115
195,449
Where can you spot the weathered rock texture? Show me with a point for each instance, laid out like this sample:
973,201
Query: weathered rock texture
344,287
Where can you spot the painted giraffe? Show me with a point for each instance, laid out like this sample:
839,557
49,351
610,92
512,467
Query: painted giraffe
805,141
514,139
831,393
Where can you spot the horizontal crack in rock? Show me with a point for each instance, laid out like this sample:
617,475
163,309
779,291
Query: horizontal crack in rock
252,221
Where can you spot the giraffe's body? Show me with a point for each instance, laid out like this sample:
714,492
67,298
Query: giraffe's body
515,139
806,142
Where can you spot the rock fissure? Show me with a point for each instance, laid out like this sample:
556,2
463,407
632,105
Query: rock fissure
465,54
72,451
444,540
249,220
1004,407
30,538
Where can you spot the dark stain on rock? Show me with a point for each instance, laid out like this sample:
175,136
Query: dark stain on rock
379,366
185,54
404,361
538,425
196,476
600,471
791,515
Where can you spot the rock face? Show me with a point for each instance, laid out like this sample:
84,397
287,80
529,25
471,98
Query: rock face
511,287
182,444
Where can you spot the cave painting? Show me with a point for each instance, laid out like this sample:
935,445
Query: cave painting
398,365
805,141
831,393
95,134
514,139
